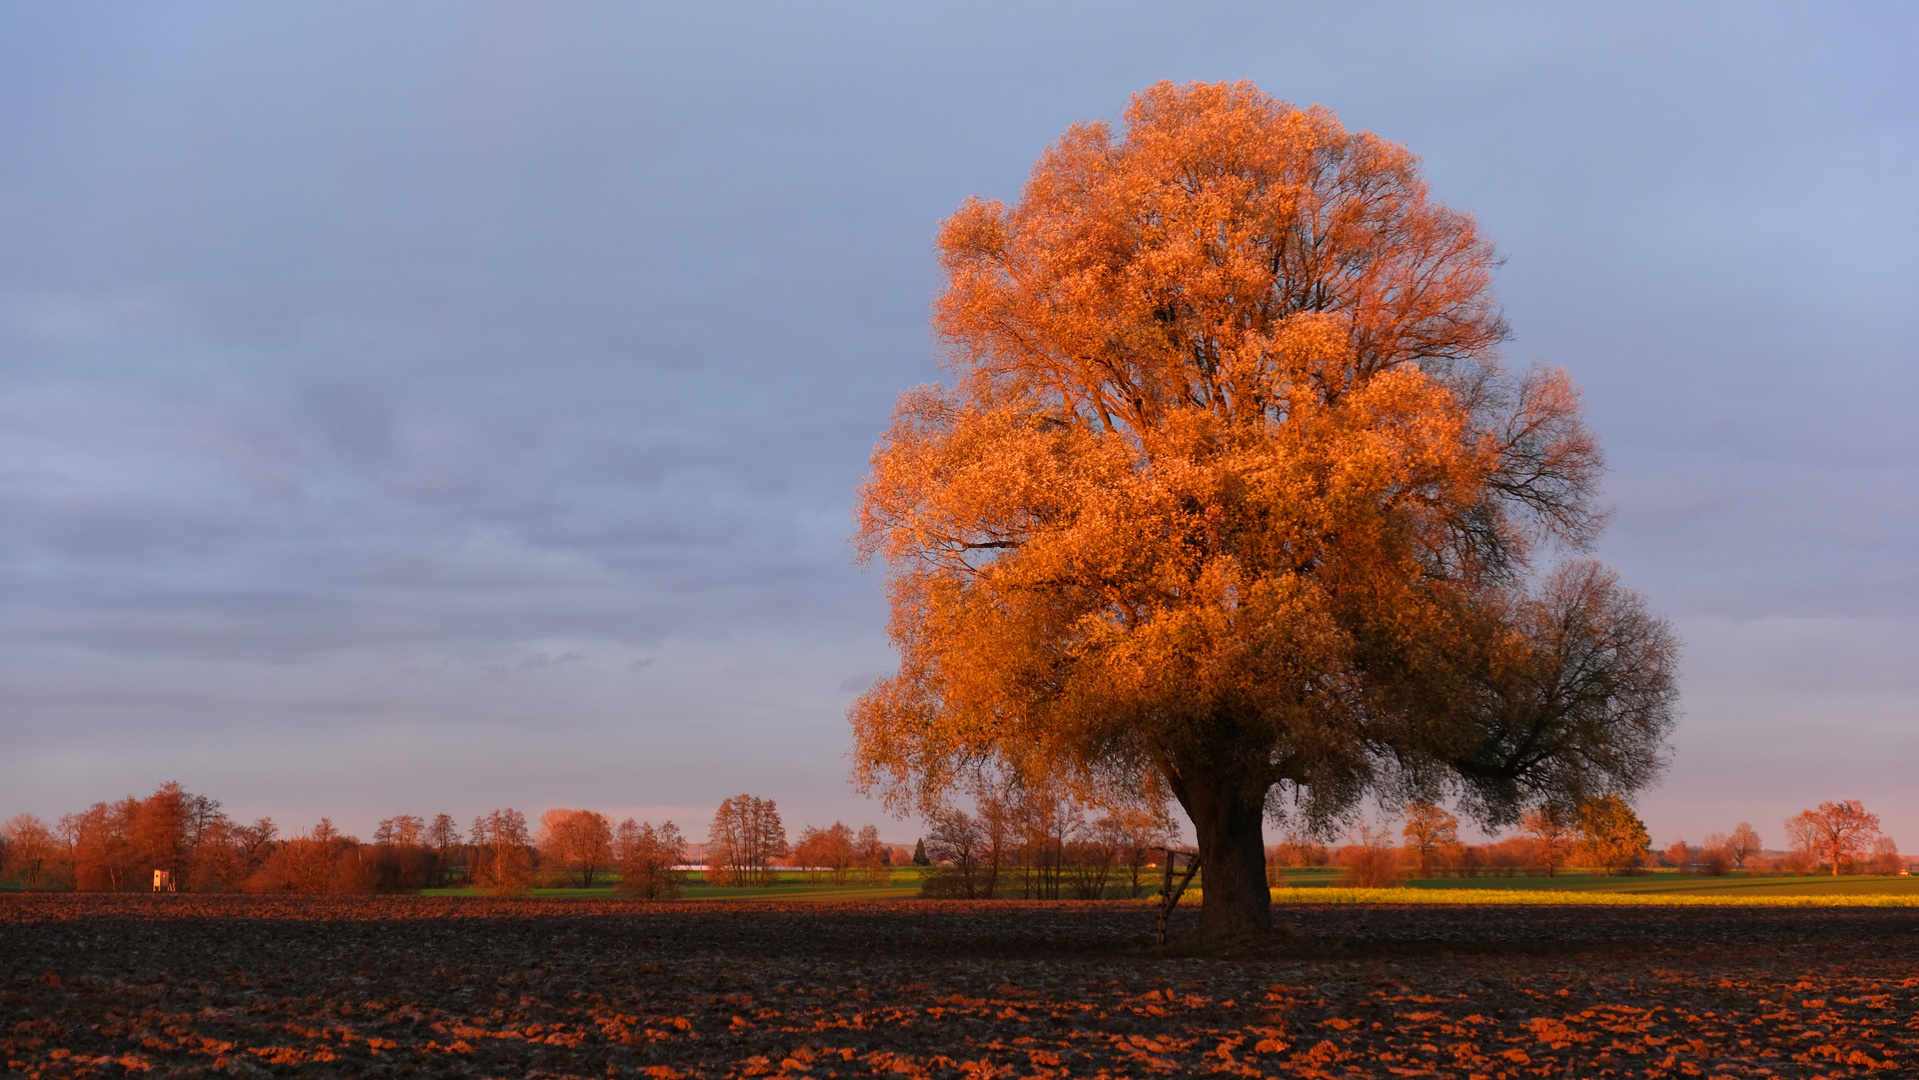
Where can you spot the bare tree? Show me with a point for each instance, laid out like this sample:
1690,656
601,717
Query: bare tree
745,838
957,845
1090,854
443,836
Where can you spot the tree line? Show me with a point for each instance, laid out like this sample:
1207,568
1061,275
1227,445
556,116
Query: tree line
1033,843
176,840
1604,835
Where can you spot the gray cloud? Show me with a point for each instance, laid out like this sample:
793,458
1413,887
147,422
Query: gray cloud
350,354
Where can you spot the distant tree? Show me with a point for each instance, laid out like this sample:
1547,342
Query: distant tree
1091,852
1550,837
1715,855
443,837
401,860
158,830
999,821
1299,849
1472,859
502,855
871,856
1885,856
220,861
103,855
404,829
320,860
958,845
1743,844
1042,820
1681,855
31,851
1837,833
1370,862
1142,842
576,844
1611,836
919,853
744,840
1508,857
254,843
1431,835
201,813
649,860
826,854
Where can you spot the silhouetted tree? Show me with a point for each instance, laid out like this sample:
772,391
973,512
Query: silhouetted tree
443,837
958,845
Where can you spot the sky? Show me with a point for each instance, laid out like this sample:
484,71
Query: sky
439,407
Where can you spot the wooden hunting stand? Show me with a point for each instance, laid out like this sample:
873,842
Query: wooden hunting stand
163,881
1168,894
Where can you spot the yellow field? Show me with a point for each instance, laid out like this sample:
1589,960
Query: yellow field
1760,892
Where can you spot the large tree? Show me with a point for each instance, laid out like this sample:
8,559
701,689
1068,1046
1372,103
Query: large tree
1231,500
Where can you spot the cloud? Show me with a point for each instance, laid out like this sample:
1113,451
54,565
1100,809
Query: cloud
335,345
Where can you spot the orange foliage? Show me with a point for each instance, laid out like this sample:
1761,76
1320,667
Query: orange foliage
576,845
1837,834
649,859
1227,496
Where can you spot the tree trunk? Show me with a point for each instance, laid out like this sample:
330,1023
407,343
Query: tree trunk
1227,815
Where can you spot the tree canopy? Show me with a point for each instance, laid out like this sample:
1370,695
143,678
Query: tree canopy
1232,500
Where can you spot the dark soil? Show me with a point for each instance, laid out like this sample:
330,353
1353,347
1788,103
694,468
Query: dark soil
102,985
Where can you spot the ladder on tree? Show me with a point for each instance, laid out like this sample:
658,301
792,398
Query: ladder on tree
1168,894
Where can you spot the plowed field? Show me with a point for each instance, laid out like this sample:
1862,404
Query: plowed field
94,985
